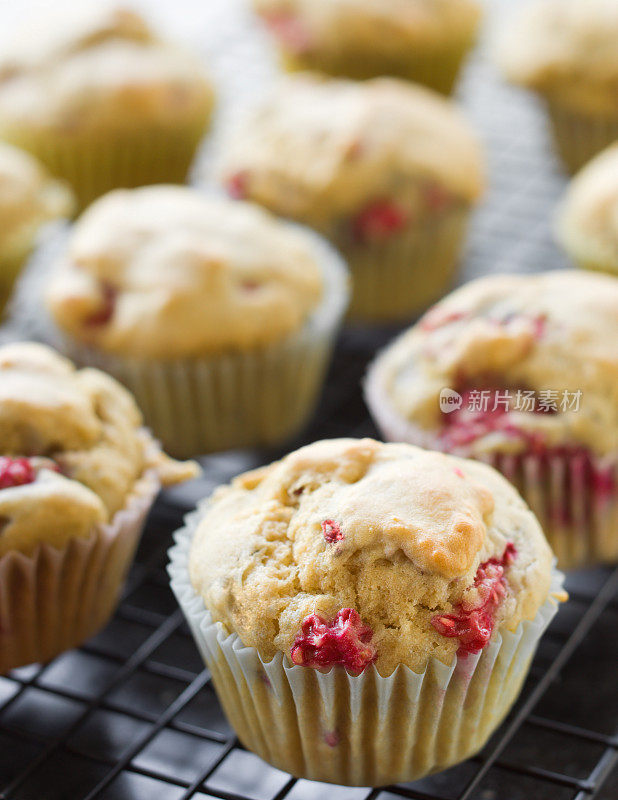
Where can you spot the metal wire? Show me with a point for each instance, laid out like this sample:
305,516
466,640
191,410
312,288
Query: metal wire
132,715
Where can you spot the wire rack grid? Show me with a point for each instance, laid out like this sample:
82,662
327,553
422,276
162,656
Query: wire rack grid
132,715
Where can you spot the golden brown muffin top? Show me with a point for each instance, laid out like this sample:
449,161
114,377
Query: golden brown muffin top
587,223
387,538
554,332
29,197
98,66
72,449
166,272
320,149
565,49
358,26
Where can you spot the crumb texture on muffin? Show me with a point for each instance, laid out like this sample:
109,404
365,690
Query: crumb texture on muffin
167,272
566,49
550,333
324,150
347,552
71,449
383,26
98,66
28,197
587,224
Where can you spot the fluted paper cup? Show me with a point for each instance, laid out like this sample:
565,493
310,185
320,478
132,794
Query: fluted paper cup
365,730
57,598
245,399
397,279
579,137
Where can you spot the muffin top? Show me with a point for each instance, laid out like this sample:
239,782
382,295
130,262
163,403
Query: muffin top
587,223
320,149
550,337
72,449
349,552
28,197
364,25
565,49
167,272
97,66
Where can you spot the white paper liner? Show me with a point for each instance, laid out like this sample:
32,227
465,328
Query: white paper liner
366,730
55,599
396,279
579,522
220,402
579,137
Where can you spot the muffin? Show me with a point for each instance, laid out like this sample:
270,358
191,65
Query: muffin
368,611
102,101
587,223
522,372
420,41
218,317
565,50
78,475
28,199
389,172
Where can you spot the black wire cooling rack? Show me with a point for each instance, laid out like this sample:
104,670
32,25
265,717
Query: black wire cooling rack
132,714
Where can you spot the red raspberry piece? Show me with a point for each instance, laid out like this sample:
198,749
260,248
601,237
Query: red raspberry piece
290,31
238,186
332,531
344,642
15,472
106,311
437,317
379,221
473,625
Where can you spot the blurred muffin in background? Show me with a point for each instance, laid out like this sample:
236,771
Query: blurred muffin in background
29,198
567,51
219,317
419,40
587,222
388,171
78,475
522,372
102,101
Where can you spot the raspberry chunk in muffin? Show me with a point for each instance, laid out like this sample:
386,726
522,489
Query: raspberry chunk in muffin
473,624
345,642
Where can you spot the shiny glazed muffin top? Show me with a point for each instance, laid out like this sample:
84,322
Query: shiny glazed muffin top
167,272
349,552
71,449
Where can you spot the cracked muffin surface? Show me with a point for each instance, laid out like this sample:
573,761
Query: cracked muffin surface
550,333
350,552
72,449
167,272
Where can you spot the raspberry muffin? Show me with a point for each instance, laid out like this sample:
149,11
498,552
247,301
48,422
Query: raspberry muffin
219,317
102,101
78,475
421,41
389,172
520,371
565,50
29,198
368,611
587,223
